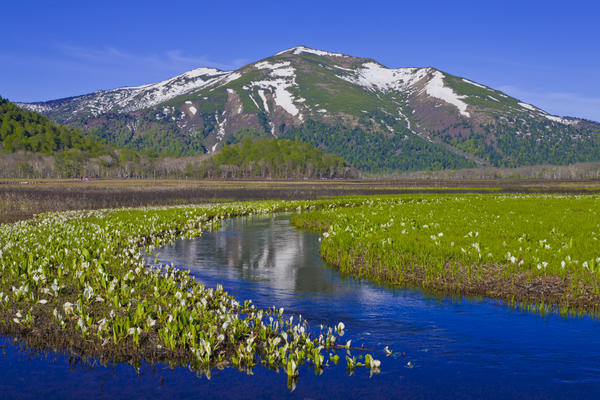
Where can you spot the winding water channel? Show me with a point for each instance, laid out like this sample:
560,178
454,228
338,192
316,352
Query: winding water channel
456,349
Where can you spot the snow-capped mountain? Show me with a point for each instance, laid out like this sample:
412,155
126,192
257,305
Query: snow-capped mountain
405,118
133,98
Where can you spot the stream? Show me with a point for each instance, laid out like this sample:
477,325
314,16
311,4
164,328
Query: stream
443,348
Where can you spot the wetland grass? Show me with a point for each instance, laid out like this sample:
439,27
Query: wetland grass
77,281
538,252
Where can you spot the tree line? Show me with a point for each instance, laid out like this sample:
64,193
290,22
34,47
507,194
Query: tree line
273,158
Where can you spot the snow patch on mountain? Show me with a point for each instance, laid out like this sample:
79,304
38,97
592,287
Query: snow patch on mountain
473,83
261,94
303,49
548,116
560,120
230,77
220,132
435,88
528,106
284,99
281,77
343,69
254,101
374,76
135,98
281,69
191,108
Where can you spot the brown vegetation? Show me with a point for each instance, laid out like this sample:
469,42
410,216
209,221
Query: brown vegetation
582,171
21,199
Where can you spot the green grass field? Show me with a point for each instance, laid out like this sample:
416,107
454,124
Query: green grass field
543,250
78,281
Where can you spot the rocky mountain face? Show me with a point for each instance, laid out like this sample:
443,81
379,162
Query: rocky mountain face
379,119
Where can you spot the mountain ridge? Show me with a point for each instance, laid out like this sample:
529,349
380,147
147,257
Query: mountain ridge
455,121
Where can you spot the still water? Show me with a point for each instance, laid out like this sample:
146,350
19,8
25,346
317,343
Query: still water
457,349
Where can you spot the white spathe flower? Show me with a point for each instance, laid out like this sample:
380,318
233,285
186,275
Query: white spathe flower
340,328
68,307
134,330
294,366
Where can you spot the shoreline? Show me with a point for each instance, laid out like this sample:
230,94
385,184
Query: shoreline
362,257
77,282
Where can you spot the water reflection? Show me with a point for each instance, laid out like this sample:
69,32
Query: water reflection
258,249
466,347
460,349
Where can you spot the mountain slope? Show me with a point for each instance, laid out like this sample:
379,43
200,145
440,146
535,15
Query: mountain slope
28,131
377,118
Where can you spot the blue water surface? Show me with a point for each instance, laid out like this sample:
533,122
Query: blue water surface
463,349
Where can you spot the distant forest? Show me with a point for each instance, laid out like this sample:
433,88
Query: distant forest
274,158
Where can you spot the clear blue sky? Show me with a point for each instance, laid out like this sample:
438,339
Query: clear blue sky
543,52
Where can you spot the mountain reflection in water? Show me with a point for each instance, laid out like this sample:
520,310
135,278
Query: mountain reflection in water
259,249
457,349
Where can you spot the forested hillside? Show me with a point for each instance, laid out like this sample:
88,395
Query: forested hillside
376,151
379,119
34,146
273,158
29,131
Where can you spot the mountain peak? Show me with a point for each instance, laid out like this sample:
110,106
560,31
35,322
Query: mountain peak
402,114
303,49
